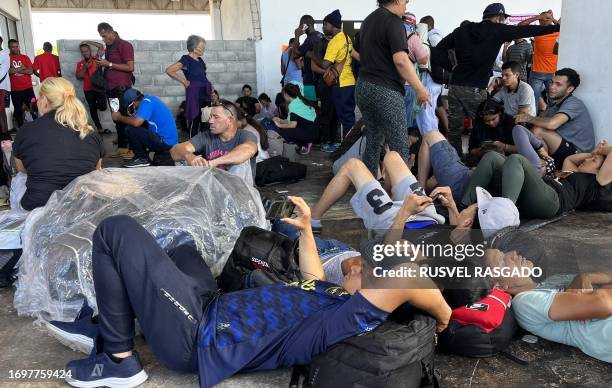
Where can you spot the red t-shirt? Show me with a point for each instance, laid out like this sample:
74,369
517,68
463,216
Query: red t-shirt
20,81
90,70
121,52
47,65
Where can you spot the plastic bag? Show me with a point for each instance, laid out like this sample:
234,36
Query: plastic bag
177,205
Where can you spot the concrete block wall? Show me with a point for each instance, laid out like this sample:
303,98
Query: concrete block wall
230,65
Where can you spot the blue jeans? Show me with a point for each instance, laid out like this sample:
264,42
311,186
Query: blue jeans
325,248
537,81
409,98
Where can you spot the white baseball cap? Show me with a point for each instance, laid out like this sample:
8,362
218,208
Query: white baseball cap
495,213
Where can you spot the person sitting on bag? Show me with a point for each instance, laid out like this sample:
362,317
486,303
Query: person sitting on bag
190,328
160,133
226,146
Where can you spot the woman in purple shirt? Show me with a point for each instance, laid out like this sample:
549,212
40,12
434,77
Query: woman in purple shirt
198,90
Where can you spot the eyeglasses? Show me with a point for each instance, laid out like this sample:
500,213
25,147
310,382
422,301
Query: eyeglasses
228,106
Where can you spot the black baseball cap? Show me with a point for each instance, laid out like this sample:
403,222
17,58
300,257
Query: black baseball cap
494,10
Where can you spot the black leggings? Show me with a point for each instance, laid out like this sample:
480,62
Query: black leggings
299,135
134,278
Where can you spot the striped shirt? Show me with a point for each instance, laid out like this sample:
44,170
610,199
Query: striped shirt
520,52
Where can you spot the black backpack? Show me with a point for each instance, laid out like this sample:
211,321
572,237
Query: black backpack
279,170
350,138
98,80
260,257
398,353
443,62
472,340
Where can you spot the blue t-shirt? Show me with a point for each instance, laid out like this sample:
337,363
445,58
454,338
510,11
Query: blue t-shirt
293,74
160,119
278,326
193,69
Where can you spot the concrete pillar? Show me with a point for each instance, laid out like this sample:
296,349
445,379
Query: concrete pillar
215,20
591,58
24,26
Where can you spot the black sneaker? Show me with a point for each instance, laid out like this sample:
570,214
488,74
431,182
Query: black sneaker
78,335
100,371
316,229
137,162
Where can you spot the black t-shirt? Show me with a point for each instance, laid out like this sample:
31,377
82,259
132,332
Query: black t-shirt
53,156
477,45
312,40
503,132
248,104
382,34
576,191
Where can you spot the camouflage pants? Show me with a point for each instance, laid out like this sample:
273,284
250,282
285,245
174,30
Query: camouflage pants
462,101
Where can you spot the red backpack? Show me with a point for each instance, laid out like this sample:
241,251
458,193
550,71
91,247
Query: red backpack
482,329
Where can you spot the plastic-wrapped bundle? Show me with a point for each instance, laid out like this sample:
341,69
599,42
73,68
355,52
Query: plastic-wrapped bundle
205,207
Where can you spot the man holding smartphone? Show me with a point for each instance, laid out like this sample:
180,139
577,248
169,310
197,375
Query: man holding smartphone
118,64
313,39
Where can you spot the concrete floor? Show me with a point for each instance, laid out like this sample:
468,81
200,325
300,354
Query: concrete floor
580,241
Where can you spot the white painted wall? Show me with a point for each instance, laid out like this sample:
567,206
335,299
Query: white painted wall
279,18
10,7
591,58
236,20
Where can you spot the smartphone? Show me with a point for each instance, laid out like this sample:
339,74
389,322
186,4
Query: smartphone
280,208
114,104
438,199
304,27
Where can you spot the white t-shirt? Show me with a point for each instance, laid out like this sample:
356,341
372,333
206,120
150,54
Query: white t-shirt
5,64
261,153
333,266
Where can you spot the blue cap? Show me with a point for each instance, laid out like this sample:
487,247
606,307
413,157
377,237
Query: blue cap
130,95
494,10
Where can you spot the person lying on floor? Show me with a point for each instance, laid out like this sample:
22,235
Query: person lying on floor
585,182
192,329
225,146
562,308
379,211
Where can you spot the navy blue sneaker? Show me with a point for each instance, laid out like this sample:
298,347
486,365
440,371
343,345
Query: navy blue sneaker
100,371
78,335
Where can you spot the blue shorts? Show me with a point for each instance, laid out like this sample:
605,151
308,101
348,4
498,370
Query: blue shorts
448,168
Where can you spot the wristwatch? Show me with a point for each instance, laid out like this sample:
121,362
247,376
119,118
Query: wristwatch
110,64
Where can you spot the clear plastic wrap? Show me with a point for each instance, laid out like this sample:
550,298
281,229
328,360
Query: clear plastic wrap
206,207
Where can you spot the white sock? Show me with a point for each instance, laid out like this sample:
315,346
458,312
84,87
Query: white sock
315,223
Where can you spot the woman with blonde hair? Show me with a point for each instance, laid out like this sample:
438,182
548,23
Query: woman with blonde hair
57,147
